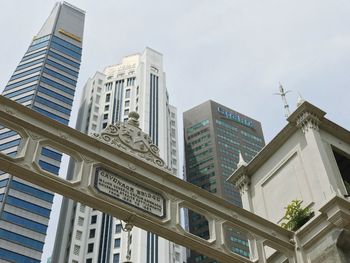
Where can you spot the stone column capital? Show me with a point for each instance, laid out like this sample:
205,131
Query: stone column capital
241,182
308,121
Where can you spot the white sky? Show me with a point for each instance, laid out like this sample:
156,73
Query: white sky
232,51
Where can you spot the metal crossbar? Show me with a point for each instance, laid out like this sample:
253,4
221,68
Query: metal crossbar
140,169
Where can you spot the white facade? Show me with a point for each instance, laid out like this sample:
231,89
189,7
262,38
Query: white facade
137,84
309,160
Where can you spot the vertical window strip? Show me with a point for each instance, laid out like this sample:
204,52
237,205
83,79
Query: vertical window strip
150,108
156,111
148,246
101,238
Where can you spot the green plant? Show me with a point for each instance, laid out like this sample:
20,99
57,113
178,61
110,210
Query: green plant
295,215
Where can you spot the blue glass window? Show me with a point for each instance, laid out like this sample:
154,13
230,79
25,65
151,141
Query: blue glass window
116,258
40,40
3,182
37,46
32,191
66,51
63,59
63,68
1,197
23,222
28,206
60,76
7,134
25,73
12,154
116,242
57,85
66,44
118,228
24,99
51,115
49,167
21,91
10,144
36,54
55,95
22,82
40,60
49,153
52,105
22,240
14,257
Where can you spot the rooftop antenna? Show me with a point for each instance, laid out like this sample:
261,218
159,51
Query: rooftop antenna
283,93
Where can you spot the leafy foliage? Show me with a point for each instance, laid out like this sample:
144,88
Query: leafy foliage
295,215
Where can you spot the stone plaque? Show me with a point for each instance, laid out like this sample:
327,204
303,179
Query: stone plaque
119,188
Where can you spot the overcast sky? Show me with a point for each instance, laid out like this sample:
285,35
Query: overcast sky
233,52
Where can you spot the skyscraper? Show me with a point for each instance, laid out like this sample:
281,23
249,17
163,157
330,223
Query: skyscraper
137,84
214,138
45,80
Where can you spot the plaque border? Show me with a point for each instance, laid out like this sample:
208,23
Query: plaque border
98,168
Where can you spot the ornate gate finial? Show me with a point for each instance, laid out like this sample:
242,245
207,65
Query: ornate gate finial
128,137
134,119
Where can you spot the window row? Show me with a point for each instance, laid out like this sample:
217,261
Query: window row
49,167
33,55
21,240
15,257
197,126
51,154
24,222
24,99
51,115
57,85
60,76
32,191
10,144
28,206
40,40
66,51
52,105
29,64
37,46
66,44
64,59
193,166
63,68
7,134
20,91
22,82
55,95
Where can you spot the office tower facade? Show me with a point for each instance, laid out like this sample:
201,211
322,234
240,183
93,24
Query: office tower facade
45,81
215,136
137,84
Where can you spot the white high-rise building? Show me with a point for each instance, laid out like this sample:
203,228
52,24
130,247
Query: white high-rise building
137,84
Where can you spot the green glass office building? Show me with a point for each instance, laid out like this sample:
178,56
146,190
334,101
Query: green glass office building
214,137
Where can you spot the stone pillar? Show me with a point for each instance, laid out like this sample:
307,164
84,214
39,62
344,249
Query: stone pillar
316,162
241,182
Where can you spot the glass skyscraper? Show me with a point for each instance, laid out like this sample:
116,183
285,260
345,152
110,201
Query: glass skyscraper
45,81
214,138
138,84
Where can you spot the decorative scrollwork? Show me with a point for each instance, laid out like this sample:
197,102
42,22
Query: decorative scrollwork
130,138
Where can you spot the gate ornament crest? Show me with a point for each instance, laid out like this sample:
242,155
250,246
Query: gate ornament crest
128,137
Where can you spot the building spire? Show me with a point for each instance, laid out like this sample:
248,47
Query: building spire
300,100
241,161
283,93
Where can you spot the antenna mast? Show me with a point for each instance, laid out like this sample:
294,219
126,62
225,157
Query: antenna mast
283,93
